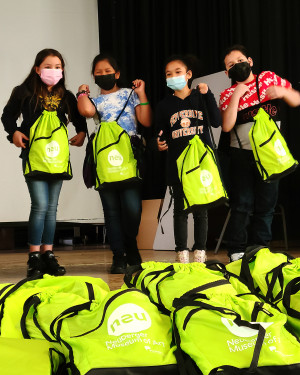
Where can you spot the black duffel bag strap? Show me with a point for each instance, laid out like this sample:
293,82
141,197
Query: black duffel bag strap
292,288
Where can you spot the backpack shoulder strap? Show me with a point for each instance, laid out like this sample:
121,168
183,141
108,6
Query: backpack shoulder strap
120,114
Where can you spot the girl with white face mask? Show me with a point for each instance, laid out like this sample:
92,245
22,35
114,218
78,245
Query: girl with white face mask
44,103
179,117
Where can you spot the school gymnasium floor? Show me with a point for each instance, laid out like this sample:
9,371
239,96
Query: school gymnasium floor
95,261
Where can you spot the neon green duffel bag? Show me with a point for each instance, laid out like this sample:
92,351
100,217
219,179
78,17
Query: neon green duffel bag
163,282
125,334
16,299
271,153
29,357
229,335
48,153
290,305
199,175
259,269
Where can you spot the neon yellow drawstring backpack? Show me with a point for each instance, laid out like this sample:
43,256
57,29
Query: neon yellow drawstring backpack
271,153
48,155
113,154
199,175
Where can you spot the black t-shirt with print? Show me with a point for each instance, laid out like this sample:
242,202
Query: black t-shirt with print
180,120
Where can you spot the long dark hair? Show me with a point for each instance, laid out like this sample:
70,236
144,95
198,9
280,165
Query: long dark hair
33,82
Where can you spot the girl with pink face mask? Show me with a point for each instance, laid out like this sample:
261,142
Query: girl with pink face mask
43,93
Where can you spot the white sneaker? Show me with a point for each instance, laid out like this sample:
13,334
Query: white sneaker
183,256
200,256
236,256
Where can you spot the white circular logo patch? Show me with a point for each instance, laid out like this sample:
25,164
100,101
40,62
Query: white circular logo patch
128,318
279,148
206,178
115,158
52,149
185,122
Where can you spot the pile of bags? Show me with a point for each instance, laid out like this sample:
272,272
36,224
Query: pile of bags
166,319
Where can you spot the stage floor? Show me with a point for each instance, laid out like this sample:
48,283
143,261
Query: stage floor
93,261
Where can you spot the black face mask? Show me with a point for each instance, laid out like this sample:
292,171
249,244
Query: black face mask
240,71
106,82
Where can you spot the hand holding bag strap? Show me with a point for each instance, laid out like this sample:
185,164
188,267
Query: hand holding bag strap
205,110
99,117
215,153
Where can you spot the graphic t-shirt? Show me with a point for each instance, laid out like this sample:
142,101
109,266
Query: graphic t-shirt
50,102
249,105
109,107
182,119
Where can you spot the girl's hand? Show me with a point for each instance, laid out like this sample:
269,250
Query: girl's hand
203,88
85,88
139,86
275,92
18,139
162,145
78,139
240,90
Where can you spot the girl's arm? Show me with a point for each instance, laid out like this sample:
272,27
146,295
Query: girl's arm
289,95
143,110
10,115
78,121
85,107
211,104
229,116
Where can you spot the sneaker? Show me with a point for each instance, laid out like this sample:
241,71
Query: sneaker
35,265
133,259
183,256
235,256
118,265
200,256
52,265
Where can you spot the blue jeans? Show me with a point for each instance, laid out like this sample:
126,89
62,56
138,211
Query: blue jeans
42,220
252,203
180,218
122,212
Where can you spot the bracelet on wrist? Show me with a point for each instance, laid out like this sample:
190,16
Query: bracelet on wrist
146,103
81,92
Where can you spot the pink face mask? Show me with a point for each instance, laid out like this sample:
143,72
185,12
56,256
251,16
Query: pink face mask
51,76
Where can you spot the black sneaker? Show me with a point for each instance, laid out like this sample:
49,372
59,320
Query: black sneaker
134,259
35,264
52,266
119,265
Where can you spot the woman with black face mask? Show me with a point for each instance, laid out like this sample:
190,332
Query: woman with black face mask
252,201
121,205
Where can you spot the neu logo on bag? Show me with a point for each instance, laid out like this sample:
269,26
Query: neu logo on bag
52,149
241,331
206,178
128,318
115,158
279,148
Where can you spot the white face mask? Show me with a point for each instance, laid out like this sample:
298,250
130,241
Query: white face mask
51,76
176,83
